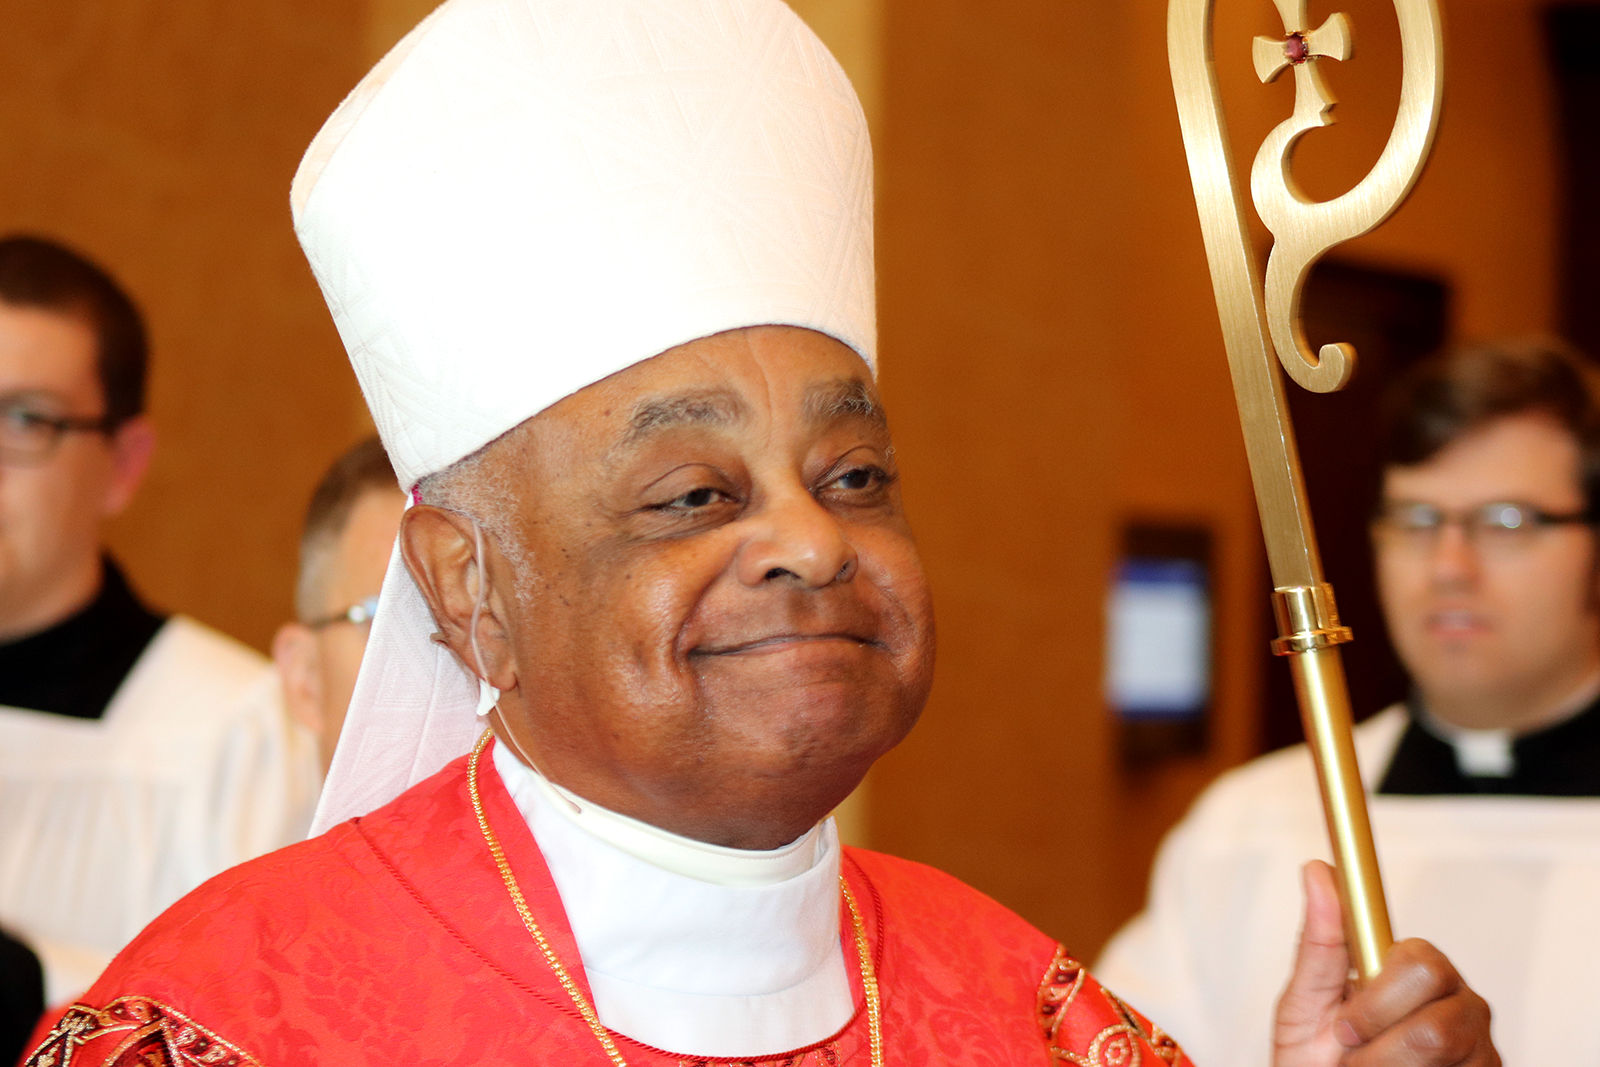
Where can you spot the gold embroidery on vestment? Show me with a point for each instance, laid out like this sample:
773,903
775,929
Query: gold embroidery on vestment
158,1035
1057,990
1118,1045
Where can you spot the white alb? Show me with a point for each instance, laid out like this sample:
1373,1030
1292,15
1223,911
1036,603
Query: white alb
193,768
1505,886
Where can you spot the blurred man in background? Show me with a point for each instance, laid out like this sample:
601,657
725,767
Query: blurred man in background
1485,813
139,754
344,549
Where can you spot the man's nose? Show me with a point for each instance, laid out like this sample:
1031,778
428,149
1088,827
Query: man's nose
1455,557
794,538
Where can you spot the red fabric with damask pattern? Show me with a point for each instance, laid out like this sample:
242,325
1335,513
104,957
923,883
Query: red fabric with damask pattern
392,940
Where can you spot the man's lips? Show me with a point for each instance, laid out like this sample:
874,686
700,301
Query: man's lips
777,643
1456,622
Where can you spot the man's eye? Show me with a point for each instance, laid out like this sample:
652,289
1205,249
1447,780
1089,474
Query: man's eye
25,422
859,478
703,497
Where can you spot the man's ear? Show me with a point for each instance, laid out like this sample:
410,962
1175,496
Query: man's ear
294,652
132,445
440,550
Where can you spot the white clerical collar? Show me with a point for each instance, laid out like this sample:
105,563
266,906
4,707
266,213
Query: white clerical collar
1492,753
691,947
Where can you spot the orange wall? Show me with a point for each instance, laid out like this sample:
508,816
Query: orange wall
1053,365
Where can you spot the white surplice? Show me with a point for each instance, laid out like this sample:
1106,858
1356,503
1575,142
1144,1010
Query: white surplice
1507,886
193,768
690,947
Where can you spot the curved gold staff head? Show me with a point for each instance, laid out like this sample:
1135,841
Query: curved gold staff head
1303,229
1256,319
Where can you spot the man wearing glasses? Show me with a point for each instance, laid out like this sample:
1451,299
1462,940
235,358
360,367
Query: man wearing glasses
139,754
1485,780
349,531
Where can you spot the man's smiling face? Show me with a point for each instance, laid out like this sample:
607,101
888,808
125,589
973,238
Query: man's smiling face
1496,633
716,619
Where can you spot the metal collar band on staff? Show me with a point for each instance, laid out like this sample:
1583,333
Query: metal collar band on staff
1261,328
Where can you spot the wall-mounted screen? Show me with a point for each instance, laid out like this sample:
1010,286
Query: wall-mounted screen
1159,639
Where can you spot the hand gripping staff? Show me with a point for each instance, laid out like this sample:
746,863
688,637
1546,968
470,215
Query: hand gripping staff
1257,319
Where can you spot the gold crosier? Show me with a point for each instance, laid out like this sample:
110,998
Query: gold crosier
1257,319
869,978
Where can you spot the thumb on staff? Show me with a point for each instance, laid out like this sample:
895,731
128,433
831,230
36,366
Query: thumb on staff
1307,1032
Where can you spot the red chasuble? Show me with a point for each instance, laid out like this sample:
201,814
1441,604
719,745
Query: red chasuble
392,940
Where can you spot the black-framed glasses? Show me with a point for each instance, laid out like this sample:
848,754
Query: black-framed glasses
1504,523
355,613
30,434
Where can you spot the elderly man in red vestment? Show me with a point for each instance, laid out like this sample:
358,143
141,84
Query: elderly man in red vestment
604,268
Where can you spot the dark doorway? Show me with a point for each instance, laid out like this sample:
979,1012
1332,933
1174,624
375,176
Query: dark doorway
1574,30
1393,320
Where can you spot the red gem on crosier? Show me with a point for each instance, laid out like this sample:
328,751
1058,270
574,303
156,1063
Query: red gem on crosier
1296,49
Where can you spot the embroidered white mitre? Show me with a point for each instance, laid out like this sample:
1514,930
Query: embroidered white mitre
526,196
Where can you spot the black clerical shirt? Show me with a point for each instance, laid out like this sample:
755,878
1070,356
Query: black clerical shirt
1561,761
75,667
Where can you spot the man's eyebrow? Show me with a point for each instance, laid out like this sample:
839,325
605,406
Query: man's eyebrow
843,398
16,396
707,407
34,398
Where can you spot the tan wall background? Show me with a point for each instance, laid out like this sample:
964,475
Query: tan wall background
1051,357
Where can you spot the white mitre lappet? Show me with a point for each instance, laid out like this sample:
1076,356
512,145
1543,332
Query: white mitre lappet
526,196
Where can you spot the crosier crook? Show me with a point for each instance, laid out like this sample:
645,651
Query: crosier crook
1261,328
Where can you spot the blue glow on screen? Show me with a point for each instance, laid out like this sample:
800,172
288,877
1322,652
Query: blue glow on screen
1158,639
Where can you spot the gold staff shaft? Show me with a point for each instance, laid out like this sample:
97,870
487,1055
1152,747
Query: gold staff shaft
1309,631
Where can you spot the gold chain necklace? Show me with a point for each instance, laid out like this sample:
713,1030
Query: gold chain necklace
869,979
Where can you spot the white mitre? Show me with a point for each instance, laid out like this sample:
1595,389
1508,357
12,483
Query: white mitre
526,196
